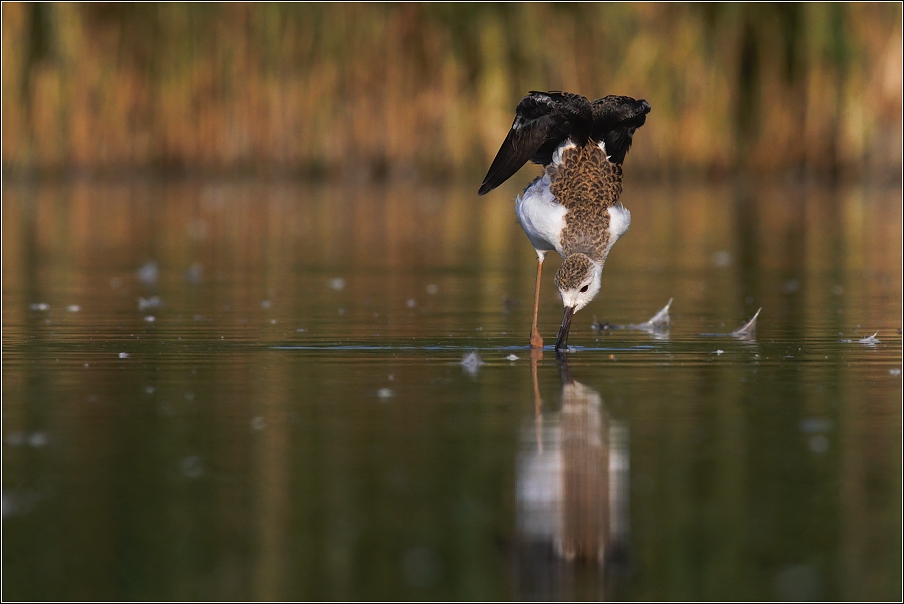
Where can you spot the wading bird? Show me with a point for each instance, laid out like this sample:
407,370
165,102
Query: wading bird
573,207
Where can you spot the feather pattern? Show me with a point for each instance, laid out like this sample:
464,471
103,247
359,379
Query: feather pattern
544,120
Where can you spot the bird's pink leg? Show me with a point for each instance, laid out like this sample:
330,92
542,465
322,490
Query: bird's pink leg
536,341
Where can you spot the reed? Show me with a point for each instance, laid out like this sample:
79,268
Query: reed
387,90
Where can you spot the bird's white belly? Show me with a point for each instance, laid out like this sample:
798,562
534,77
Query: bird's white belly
541,216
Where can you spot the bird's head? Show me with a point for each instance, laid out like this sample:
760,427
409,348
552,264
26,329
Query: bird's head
578,279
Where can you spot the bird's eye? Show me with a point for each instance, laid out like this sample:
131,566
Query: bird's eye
584,289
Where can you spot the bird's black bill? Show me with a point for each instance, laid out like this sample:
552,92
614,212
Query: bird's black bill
562,339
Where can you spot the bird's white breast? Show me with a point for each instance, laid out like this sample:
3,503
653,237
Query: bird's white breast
541,216
619,222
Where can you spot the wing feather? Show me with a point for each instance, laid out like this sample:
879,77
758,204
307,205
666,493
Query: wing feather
615,119
544,120
539,120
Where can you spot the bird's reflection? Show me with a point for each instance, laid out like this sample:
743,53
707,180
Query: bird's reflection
572,492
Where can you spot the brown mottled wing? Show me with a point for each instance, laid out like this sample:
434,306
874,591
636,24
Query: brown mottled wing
539,121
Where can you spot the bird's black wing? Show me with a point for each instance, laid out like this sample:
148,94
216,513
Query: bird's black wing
542,121
615,119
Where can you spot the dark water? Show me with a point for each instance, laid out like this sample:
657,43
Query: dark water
256,391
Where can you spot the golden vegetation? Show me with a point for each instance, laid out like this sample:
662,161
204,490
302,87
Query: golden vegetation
380,90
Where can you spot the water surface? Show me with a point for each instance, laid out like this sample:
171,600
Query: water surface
245,390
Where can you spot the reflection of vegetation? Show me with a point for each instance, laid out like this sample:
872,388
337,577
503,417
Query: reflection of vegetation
179,492
325,87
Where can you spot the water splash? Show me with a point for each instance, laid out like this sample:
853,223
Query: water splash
748,330
657,325
471,363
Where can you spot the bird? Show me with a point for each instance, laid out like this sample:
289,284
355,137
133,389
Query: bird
573,207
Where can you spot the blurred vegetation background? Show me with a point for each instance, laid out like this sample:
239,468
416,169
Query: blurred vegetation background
374,91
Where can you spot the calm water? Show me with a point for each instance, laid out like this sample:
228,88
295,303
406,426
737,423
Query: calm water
253,391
